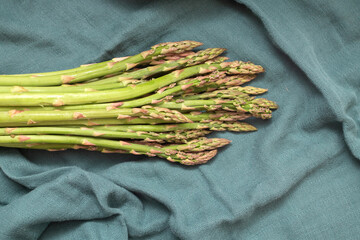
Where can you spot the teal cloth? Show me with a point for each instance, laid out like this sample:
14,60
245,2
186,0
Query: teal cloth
297,177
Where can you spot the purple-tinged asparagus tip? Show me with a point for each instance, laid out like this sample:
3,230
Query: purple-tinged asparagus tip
177,47
199,158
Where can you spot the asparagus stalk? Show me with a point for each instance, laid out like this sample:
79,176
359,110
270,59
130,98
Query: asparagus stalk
31,117
221,83
167,132
202,117
143,73
99,69
168,57
190,158
199,145
68,88
154,61
232,92
185,158
174,136
212,125
44,146
86,122
196,145
59,72
232,95
259,109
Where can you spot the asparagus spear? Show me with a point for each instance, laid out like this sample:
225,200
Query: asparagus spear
193,116
259,109
174,132
196,145
199,145
31,117
232,92
223,82
212,125
175,136
185,158
143,73
154,61
99,69
68,88
168,57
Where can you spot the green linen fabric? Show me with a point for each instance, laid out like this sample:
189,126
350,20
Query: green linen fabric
297,177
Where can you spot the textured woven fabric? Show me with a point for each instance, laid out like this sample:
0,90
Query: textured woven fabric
297,177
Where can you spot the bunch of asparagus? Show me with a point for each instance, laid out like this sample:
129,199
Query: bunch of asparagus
161,102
